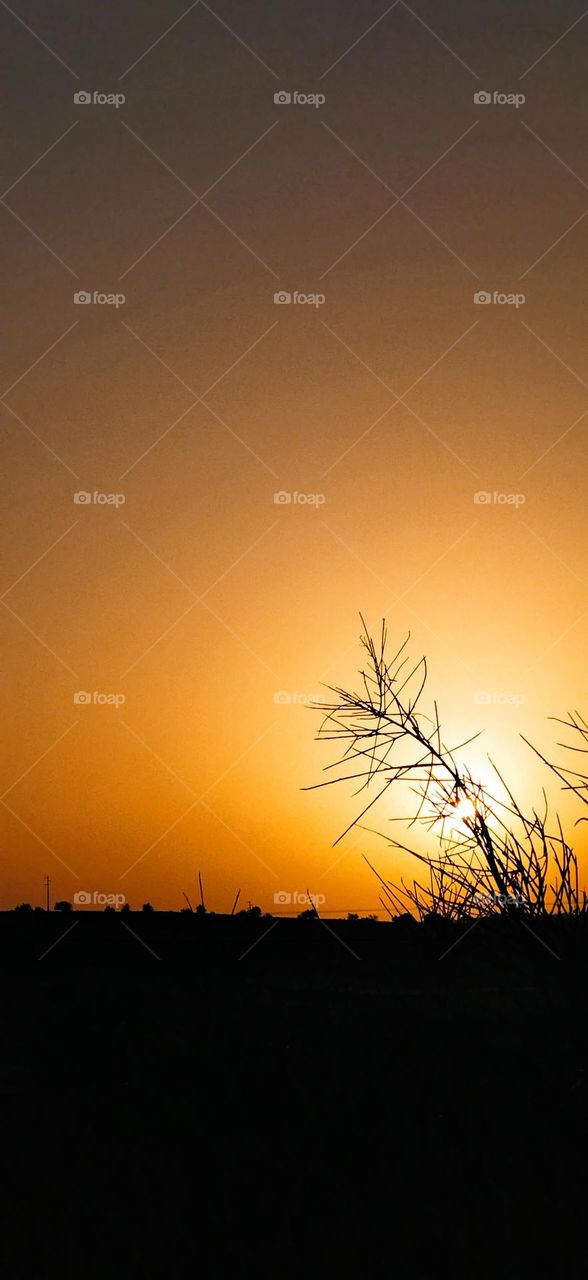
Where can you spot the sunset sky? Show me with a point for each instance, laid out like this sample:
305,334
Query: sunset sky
392,401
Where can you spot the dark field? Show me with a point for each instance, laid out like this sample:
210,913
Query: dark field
298,1109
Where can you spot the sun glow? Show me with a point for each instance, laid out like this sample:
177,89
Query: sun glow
461,816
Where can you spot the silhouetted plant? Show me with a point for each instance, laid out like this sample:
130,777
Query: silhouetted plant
62,906
24,908
492,856
573,779
147,907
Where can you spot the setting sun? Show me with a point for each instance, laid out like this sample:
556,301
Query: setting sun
462,815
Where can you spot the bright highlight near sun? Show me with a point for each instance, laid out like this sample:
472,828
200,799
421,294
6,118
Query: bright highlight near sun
462,815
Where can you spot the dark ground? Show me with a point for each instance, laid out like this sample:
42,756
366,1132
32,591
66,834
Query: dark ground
294,1110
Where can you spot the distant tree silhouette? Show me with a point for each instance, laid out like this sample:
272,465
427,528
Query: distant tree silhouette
125,909
24,907
147,907
62,906
200,909
110,909
309,913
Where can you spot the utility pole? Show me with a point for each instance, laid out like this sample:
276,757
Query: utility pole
47,893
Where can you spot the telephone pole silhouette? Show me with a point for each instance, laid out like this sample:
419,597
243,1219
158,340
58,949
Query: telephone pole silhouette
47,893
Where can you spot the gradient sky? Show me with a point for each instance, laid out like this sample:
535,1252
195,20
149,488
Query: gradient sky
198,398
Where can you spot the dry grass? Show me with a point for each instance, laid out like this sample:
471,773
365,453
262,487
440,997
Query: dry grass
490,854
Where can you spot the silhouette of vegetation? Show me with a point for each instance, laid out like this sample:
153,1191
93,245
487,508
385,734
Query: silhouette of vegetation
147,907
492,855
23,907
62,906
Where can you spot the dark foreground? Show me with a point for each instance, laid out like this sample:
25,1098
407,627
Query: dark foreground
203,1099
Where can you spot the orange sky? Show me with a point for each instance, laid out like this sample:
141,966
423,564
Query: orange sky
198,598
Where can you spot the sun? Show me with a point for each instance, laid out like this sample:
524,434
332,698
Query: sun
461,816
